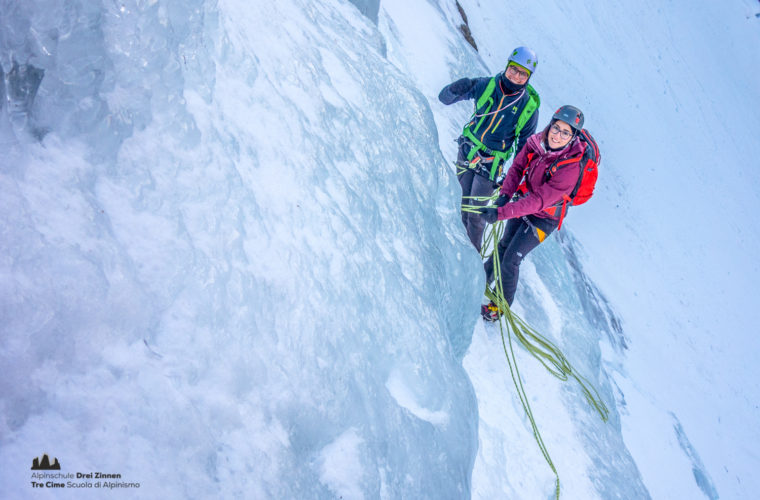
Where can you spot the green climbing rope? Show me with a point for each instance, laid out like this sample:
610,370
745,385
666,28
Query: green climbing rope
549,355
488,235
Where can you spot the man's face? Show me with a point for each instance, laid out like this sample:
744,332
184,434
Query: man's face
516,74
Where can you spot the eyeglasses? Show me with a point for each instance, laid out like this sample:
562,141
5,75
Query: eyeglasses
565,134
521,73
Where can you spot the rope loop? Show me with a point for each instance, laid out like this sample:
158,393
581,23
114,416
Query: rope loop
548,354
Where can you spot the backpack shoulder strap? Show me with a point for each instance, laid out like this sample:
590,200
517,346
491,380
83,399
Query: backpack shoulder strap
534,95
590,156
591,152
534,101
483,99
592,149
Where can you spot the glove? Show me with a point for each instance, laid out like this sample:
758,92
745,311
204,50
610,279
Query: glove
461,86
501,200
455,91
489,214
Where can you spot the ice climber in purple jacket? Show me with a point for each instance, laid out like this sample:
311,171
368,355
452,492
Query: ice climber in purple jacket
529,197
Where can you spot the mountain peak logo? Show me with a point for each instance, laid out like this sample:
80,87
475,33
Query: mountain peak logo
44,464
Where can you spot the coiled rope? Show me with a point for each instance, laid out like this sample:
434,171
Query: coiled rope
548,354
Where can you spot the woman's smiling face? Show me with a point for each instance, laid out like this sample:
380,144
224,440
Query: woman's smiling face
559,135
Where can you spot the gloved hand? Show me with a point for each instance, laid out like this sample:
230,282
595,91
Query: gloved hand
461,86
489,214
501,200
455,91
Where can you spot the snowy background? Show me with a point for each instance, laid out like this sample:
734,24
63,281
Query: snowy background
232,265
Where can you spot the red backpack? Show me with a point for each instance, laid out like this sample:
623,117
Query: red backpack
584,188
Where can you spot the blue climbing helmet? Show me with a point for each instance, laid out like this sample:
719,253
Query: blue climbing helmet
525,58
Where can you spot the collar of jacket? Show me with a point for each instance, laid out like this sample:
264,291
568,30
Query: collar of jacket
509,88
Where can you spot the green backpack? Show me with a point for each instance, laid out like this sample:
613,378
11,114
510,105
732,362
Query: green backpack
484,105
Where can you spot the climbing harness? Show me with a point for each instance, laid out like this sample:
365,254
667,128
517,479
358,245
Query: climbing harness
480,164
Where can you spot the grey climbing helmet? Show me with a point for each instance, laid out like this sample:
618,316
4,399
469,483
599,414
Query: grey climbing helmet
570,115
525,58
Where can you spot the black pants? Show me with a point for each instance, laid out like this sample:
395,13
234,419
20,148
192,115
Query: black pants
519,238
473,185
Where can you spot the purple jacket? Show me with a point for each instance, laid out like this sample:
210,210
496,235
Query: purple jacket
541,193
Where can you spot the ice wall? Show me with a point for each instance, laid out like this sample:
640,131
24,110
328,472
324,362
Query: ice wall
232,262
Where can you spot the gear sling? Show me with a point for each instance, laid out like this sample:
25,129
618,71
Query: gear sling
483,111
